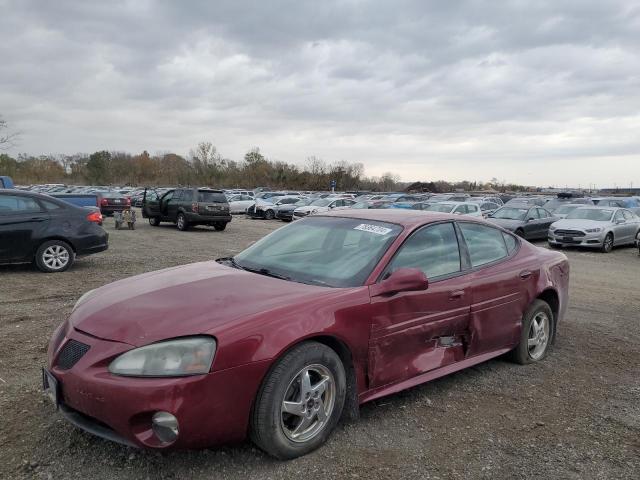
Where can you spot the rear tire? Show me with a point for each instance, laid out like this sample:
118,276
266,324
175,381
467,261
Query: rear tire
181,222
607,244
519,232
538,325
300,401
154,221
54,256
220,226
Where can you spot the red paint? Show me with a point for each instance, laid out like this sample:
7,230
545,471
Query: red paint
396,340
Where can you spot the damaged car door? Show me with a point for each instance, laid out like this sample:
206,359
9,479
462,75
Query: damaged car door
413,332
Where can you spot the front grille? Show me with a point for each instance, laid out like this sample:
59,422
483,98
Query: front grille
569,233
301,214
71,353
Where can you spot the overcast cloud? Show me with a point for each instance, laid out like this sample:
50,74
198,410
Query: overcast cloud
543,92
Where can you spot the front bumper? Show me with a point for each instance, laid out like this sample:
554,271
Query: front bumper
212,409
589,240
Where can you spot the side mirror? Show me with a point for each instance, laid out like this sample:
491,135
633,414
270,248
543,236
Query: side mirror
530,219
402,280
620,222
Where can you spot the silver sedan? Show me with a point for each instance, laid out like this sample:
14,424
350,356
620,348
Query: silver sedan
595,227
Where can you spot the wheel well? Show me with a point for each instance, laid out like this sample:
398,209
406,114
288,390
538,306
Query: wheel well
62,239
551,297
351,410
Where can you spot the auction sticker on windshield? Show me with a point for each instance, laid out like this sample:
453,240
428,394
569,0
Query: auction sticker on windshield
378,230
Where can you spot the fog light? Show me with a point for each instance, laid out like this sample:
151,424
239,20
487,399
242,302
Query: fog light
165,426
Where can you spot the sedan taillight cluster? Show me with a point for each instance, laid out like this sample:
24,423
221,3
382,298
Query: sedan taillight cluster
95,217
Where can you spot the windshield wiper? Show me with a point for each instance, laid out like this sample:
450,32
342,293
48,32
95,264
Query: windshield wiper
231,261
266,272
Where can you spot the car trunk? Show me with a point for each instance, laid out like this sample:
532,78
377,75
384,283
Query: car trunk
212,204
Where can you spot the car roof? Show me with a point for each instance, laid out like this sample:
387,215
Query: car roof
404,217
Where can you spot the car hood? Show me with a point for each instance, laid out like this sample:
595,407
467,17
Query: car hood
187,300
505,223
578,224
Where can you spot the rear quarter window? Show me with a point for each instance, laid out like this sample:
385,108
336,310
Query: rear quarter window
211,197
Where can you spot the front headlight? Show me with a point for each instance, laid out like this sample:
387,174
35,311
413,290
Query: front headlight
552,228
314,210
593,230
172,358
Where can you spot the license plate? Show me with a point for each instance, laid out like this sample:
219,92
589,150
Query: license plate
567,239
50,387
209,207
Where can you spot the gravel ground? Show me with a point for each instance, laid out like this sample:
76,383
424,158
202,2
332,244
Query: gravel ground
574,416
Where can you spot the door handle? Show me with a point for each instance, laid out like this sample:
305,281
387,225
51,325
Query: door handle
526,274
456,295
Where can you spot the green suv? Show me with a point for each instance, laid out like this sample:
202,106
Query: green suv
186,207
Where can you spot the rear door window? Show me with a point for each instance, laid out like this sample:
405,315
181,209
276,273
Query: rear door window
485,244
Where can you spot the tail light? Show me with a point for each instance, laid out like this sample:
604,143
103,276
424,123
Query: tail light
104,202
194,207
95,217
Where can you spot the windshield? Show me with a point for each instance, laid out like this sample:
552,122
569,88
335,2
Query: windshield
302,203
211,197
322,202
360,205
335,252
440,207
510,213
591,214
565,209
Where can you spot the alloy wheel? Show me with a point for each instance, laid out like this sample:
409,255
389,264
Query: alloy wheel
308,403
538,335
55,257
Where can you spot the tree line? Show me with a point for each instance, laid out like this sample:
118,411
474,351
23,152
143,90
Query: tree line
205,166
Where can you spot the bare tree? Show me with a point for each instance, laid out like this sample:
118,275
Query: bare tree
7,138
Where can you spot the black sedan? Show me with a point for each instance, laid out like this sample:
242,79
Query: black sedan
530,222
50,232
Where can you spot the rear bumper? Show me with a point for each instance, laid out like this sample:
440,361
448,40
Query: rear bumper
108,209
95,240
205,219
211,409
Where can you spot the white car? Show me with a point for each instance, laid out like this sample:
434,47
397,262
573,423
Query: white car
457,208
322,205
268,209
240,203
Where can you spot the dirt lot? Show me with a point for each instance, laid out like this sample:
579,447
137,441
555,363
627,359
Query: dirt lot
574,416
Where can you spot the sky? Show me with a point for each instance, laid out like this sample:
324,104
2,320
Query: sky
539,93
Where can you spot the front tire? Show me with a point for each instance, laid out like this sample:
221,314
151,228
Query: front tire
54,256
536,334
300,401
220,226
607,244
181,222
269,215
519,232
154,221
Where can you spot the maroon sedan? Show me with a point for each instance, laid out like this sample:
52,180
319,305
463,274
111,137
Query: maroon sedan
285,338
